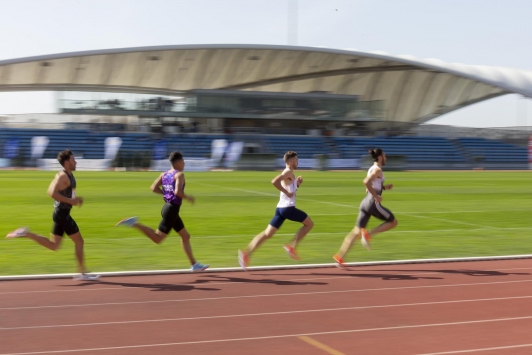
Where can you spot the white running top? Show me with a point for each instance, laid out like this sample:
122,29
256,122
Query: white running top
378,182
285,201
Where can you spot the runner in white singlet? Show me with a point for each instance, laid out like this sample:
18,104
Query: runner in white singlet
370,206
287,184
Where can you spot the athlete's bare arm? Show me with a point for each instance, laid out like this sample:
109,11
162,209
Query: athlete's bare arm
287,176
59,183
156,186
179,191
375,173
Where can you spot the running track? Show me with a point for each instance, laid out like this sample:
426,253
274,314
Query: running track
482,308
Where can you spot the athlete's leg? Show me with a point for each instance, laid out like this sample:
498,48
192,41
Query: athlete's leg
261,238
79,244
302,232
383,227
156,236
355,234
53,243
185,243
349,239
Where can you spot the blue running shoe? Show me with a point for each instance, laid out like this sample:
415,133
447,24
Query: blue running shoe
197,267
130,222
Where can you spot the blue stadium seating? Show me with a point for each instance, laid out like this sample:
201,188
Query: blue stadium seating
415,149
305,146
90,145
493,151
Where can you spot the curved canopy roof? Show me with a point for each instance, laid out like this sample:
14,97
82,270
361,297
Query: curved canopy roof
413,90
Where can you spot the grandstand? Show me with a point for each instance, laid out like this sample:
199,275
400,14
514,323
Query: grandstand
315,101
419,152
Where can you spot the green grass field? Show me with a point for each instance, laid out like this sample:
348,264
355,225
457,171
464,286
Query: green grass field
441,214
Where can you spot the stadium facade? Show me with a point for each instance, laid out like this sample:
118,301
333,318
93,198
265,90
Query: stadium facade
271,89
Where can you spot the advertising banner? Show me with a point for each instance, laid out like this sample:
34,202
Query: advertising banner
38,146
112,145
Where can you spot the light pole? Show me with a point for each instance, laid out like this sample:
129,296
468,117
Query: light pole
292,22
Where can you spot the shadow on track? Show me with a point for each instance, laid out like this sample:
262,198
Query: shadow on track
259,281
153,287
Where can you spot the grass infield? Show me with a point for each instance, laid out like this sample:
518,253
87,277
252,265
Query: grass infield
441,214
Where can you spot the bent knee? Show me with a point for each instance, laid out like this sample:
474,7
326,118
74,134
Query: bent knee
162,237
308,222
395,223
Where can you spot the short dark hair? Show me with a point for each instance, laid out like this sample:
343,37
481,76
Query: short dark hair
375,153
289,155
63,156
175,156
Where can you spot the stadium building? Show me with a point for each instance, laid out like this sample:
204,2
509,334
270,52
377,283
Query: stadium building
243,106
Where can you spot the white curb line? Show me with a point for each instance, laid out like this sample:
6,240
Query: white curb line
272,267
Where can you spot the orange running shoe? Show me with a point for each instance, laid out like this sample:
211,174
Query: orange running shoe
340,263
291,252
243,259
365,239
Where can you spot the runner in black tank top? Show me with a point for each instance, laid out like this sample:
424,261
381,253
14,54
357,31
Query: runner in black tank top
62,190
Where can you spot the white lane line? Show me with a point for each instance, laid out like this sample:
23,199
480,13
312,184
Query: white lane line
268,313
449,221
480,349
261,295
417,326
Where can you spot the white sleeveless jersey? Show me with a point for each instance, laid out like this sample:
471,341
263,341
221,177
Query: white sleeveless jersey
285,201
377,182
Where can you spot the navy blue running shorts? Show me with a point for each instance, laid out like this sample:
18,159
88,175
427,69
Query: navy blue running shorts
290,213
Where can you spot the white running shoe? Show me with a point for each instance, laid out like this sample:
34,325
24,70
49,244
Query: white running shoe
86,277
20,232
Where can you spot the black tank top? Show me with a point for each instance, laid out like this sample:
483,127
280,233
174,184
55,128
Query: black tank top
67,193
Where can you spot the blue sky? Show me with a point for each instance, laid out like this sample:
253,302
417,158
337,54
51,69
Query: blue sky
490,32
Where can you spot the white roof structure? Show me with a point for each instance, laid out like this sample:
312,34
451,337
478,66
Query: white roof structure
413,90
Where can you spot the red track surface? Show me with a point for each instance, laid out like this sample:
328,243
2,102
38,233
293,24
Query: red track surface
452,308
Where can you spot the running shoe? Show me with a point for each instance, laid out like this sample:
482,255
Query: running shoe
86,277
365,239
197,267
243,259
291,252
20,232
340,263
130,222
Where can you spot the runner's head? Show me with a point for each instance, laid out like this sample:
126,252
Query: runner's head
378,156
67,160
177,161
291,159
